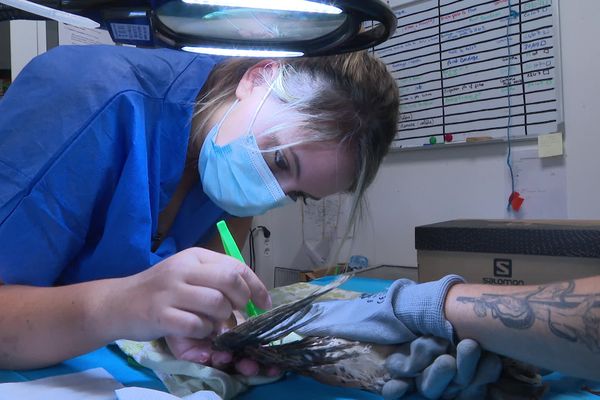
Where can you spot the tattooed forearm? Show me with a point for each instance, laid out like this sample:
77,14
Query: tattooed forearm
569,316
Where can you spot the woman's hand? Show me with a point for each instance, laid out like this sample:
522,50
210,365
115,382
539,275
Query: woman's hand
200,351
186,295
189,294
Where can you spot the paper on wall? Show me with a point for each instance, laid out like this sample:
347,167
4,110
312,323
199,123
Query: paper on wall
542,182
323,222
325,219
73,35
550,145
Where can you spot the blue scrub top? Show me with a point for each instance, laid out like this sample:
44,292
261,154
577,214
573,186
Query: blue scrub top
93,141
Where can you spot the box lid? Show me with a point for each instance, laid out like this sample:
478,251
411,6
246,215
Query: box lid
534,237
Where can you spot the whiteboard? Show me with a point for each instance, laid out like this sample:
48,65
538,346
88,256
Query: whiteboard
457,81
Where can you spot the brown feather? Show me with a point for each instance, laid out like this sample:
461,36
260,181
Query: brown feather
330,360
340,362
274,324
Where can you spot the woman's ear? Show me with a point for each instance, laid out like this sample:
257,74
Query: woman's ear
259,74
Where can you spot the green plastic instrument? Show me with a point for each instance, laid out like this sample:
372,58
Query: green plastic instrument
232,250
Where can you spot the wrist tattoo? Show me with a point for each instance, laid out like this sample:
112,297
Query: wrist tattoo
569,316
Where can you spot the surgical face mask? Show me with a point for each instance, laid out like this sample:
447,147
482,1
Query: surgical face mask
235,176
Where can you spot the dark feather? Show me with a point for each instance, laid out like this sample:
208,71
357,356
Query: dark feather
274,324
328,359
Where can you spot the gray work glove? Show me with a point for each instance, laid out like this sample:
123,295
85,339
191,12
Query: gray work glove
412,315
435,369
399,315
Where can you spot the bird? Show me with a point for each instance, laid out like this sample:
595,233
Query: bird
340,362
331,360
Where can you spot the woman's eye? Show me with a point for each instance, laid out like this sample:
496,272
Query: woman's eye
280,161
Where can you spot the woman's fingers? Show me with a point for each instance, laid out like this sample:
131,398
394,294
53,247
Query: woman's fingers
200,351
230,276
247,367
272,371
206,301
221,359
223,279
186,324
194,350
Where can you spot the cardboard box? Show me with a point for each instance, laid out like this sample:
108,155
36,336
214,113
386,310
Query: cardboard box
308,276
390,272
288,276
508,252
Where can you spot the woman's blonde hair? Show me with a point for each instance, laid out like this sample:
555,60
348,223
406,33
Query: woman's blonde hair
349,98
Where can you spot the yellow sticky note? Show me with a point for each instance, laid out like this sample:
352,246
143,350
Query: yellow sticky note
550,145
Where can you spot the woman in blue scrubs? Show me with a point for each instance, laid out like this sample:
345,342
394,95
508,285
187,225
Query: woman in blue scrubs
116,163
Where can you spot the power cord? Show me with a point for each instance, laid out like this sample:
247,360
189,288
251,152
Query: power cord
266,233
512,14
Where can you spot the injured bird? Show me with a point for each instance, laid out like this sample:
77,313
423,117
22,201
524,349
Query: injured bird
391,370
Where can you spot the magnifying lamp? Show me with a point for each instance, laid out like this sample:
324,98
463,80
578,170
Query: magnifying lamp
259,28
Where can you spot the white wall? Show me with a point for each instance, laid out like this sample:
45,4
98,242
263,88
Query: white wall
581,83
421,187
27,39
425,186
23,40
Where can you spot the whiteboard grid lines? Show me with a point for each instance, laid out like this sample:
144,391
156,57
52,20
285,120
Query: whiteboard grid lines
455,78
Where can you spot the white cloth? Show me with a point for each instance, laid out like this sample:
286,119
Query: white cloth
93,384
183,378
137,393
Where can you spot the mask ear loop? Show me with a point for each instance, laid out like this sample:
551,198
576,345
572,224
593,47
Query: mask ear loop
225,117
262,102
260,105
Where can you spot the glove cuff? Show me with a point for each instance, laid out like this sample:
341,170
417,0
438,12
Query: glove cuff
421,307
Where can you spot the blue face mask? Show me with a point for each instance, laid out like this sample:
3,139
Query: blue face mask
236,177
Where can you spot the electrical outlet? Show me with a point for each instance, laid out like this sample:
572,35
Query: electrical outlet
267,244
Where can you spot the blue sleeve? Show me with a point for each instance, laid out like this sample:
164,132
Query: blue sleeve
72,138
38,224
60,92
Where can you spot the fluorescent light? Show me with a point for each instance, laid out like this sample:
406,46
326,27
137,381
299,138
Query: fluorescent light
282,5
51,13
242,52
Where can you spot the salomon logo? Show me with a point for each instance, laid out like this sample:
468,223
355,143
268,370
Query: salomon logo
503,267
